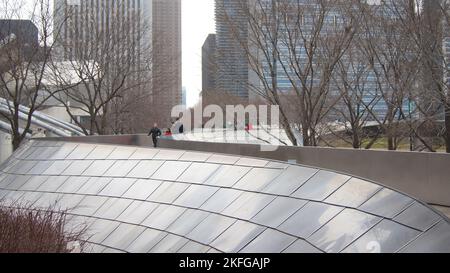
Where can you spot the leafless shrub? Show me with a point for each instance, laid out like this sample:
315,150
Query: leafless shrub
26,230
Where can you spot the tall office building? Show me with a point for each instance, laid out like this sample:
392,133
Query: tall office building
149,32
232,65
167,75
83,24
209,66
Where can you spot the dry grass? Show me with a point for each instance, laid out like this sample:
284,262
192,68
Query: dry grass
25,230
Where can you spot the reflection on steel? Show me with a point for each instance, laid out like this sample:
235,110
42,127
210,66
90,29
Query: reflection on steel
136,199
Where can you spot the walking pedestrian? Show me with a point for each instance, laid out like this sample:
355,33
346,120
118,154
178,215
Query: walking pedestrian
155,132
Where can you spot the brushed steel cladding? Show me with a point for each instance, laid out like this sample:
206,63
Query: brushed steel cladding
160,200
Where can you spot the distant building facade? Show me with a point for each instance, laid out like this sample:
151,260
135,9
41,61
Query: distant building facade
79,23
22,35
209,68
148,30
184,96
232,65
167,56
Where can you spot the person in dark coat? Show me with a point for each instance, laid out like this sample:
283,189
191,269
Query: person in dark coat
155,132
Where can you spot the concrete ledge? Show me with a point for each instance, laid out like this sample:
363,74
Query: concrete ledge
425,176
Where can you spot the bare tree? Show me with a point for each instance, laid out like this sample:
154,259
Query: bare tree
109,57
24,63
300,42
356,98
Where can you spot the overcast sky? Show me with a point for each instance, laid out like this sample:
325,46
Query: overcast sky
198,22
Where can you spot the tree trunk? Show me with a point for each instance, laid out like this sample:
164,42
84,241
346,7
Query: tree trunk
391,143
447,127
356,142
16,141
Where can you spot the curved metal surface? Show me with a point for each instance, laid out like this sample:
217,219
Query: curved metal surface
136,199
47,122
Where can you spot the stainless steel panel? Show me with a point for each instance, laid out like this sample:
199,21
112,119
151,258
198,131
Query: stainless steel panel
112,208
117,187
386,237
187,222
77,167
220,200
418,216
142,189
170,244
193,247
168,155
137,212
342,230
248,205
98,168
210,228
223,159
146,241
353,193
121,168
195,196
122,153
168,192
309,219
270,241
195,157
17,182
89,205
227,176
257,179
170,170
101,229
40,167
143,154
237,236
321,185
145,169
81,151
52,183
435,240
101,152
301,246
278,211
94,185
123,236
290,180
163,216
72,185
252,162
387,203
64,151
198,173
58,167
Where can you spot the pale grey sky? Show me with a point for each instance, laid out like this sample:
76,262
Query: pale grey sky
197,23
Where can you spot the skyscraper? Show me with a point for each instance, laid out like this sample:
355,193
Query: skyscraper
166,62
80,23
148,34
209,65
232,65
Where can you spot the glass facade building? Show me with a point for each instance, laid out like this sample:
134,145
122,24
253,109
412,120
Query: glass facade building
232,65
